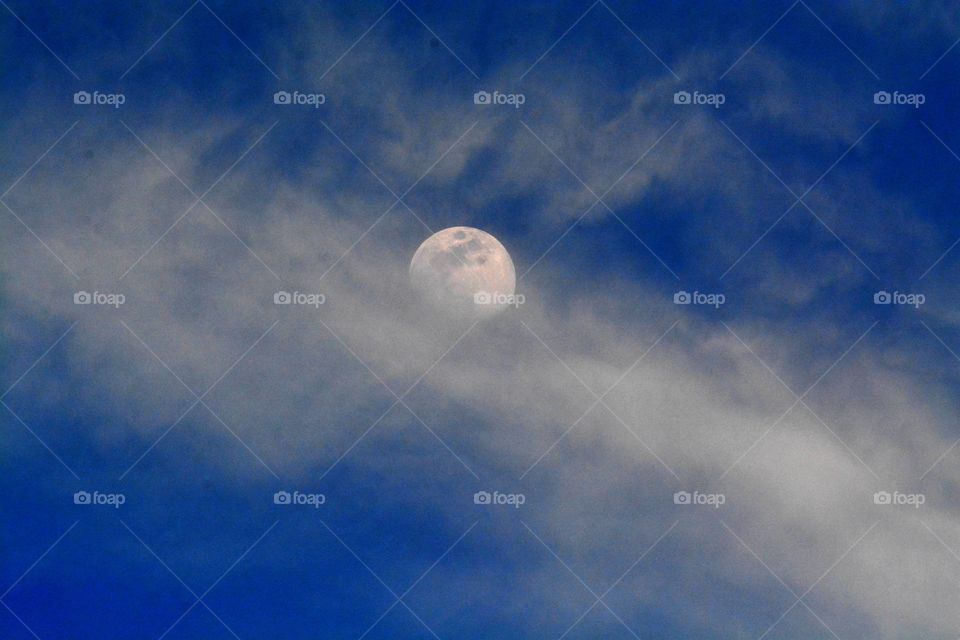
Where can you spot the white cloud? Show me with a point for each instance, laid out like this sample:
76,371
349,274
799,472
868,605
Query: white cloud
500,399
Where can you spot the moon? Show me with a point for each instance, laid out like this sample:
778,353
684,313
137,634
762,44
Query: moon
464,271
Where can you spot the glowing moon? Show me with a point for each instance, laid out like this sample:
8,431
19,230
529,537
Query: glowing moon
466,271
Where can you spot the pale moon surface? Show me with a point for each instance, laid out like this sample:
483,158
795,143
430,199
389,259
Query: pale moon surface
456,269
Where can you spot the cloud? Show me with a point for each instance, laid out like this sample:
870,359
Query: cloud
499,398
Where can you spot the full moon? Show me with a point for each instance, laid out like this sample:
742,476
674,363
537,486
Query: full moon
465,271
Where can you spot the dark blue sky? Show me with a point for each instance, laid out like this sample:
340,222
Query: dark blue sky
199,197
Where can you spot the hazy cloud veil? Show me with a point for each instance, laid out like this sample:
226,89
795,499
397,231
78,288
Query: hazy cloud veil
725,408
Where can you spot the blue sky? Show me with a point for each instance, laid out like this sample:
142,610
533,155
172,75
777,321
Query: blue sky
795,402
